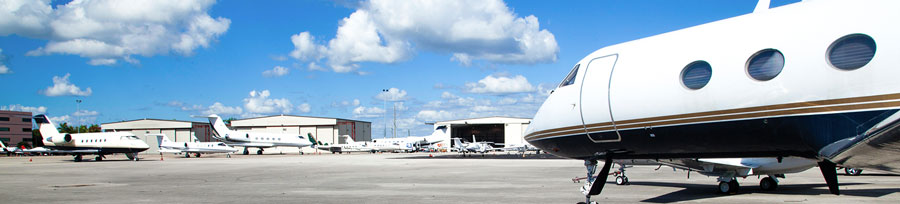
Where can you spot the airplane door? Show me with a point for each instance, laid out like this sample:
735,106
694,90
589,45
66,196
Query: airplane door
595,110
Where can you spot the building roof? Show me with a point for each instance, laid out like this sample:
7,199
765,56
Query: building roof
125,121
485,120
288,120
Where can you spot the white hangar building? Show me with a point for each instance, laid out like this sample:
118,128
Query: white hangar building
325,130
500,130
176,130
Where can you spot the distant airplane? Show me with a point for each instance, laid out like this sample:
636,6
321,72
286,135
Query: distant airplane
79,144
474,146
9,150
418,141
259,140
353,146
188,148
784,87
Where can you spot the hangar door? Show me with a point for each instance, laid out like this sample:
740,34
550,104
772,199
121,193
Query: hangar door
483,132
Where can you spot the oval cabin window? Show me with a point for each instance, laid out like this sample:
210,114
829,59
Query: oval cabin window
851,52
696,74
765,64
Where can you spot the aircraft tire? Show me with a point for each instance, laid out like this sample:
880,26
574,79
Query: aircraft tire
768,184
621,180
187,155
78,158
728,187
198,155
98,158
259,152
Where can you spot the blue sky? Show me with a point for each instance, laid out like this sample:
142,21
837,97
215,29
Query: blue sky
453,60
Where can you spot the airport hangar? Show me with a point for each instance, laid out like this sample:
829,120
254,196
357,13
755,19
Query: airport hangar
508,131
322,129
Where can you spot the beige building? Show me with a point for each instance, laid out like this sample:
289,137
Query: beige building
500,130
15,127
325,130
176,130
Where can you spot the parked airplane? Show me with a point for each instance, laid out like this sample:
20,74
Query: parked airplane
259,140
474,146
353,146
794,84
418,141
9,150
188,148
79,144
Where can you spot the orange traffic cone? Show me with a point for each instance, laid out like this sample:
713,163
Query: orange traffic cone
429,155
29,159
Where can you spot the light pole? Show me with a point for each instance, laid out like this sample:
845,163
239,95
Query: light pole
77,109
384,113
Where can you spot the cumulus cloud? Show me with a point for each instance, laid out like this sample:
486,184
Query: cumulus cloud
83,113
3,68
304,108
62,87
260,103
20,107
434,115
367,112
500,85
276,72
220,109
108,31
392,94
385,31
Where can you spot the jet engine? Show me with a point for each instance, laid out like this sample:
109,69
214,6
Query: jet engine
67,138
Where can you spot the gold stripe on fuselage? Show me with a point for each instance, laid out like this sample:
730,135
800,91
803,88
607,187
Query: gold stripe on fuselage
730,114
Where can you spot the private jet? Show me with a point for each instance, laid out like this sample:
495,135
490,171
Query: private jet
188,148
259,140
373,147
418,142
806,84
474,146
78,144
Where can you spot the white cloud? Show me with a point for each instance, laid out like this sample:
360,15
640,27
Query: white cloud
220,109
434,115
276,72
60,119
3,68
62,87
385,31
303,108
107,31
392,94
367,112
83,113
315,67
448,95
355,102
260,103
500,85
507,101
20,107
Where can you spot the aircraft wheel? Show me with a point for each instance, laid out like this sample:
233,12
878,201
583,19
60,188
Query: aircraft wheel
187,155
98,158
78,158
198,155
853,171
768,184
228,156
301,152
259,152
246,152
729,187
621,180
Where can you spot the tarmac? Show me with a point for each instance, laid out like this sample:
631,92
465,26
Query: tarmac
391,178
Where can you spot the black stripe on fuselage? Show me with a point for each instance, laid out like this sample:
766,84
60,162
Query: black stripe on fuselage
800,136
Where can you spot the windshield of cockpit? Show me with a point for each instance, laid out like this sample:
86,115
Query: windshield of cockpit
570,78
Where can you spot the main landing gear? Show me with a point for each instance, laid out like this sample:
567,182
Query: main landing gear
728,185
246,151
77,158
99,157
589,189
769,183
259,152
621,179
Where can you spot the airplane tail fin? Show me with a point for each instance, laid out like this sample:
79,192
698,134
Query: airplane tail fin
46,128
218,125
162,139
349,139
457,142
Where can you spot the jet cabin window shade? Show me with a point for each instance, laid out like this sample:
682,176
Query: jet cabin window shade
851,52
765,65
570,79
696,74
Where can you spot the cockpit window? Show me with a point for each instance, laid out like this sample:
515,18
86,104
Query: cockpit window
130,137
221,144
301,137
570,79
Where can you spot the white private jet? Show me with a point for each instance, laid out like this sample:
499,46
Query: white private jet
259,140
786,88
474,146
353,146
418,141
188,148
79,144
9,150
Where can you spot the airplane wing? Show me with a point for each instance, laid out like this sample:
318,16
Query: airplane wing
877,148
711,166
